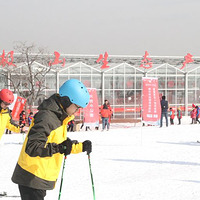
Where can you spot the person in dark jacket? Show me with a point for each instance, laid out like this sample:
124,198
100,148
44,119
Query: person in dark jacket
41,156
22,121
30,117
164,111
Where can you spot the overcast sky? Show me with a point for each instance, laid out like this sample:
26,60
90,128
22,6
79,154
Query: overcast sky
120,27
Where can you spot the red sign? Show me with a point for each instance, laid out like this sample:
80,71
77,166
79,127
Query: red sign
104,60
7,59
146,62
57,61
91,112
18,107
151,109
188,59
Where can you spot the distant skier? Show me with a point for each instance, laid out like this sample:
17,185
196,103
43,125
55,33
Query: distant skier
179,115
106,112
41,156
22,121
193,114
197,115
171,114
164,111
30,117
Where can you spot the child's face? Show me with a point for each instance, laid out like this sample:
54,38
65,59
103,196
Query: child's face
73,108
4,105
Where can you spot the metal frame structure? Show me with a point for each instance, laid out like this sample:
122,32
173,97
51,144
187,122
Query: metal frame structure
121,83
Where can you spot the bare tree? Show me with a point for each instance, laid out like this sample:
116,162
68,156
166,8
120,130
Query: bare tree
27,79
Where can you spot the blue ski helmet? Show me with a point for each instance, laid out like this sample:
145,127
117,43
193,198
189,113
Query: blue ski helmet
76,91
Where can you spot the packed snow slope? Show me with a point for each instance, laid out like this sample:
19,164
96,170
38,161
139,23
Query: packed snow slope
128,162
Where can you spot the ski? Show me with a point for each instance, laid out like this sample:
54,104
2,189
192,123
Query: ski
4,194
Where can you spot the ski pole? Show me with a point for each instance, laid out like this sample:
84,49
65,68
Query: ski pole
62,177
91,176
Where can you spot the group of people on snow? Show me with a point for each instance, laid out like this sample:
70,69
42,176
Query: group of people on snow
194,113
164,113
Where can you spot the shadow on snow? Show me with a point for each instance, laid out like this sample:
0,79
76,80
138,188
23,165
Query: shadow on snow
157,162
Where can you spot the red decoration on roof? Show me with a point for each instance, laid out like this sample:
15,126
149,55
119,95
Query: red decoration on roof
104,60
7,59
57,61
146,62
188,59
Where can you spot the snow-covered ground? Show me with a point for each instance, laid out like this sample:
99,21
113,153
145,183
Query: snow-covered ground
128,162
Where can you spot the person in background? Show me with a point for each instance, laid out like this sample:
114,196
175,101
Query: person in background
9,131
30,117
111,114
22,121
105,113
70,127
6,122
164,111
86,127
197,115
193,114
179,115
41,157
171,114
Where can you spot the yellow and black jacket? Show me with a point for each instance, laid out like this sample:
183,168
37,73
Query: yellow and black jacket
7,122
39,162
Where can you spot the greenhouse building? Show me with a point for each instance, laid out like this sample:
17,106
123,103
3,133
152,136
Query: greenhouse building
120,82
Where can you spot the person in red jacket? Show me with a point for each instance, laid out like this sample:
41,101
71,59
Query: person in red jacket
106,112
70,126
171,114
193,114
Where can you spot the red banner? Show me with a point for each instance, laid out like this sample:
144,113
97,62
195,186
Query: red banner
91,112
18,107
151,109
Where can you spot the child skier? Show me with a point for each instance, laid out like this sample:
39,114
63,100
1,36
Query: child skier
179,115
6,98
41,156
171,114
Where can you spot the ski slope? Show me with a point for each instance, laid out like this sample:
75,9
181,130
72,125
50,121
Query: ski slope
128,162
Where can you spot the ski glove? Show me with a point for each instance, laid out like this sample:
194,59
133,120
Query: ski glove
87,146
65,147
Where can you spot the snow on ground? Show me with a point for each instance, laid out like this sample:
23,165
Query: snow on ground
128,162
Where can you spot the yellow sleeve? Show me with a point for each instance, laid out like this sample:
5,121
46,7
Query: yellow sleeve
13,127
77,148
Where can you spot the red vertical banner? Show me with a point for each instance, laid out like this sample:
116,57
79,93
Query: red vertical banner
18,107
91,112
151,110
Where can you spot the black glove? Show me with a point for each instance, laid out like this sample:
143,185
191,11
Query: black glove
65,147
75,142
87,146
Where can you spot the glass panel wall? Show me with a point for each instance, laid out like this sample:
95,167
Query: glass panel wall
122,84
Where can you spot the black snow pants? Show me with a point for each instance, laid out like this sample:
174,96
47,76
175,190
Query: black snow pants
28,193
